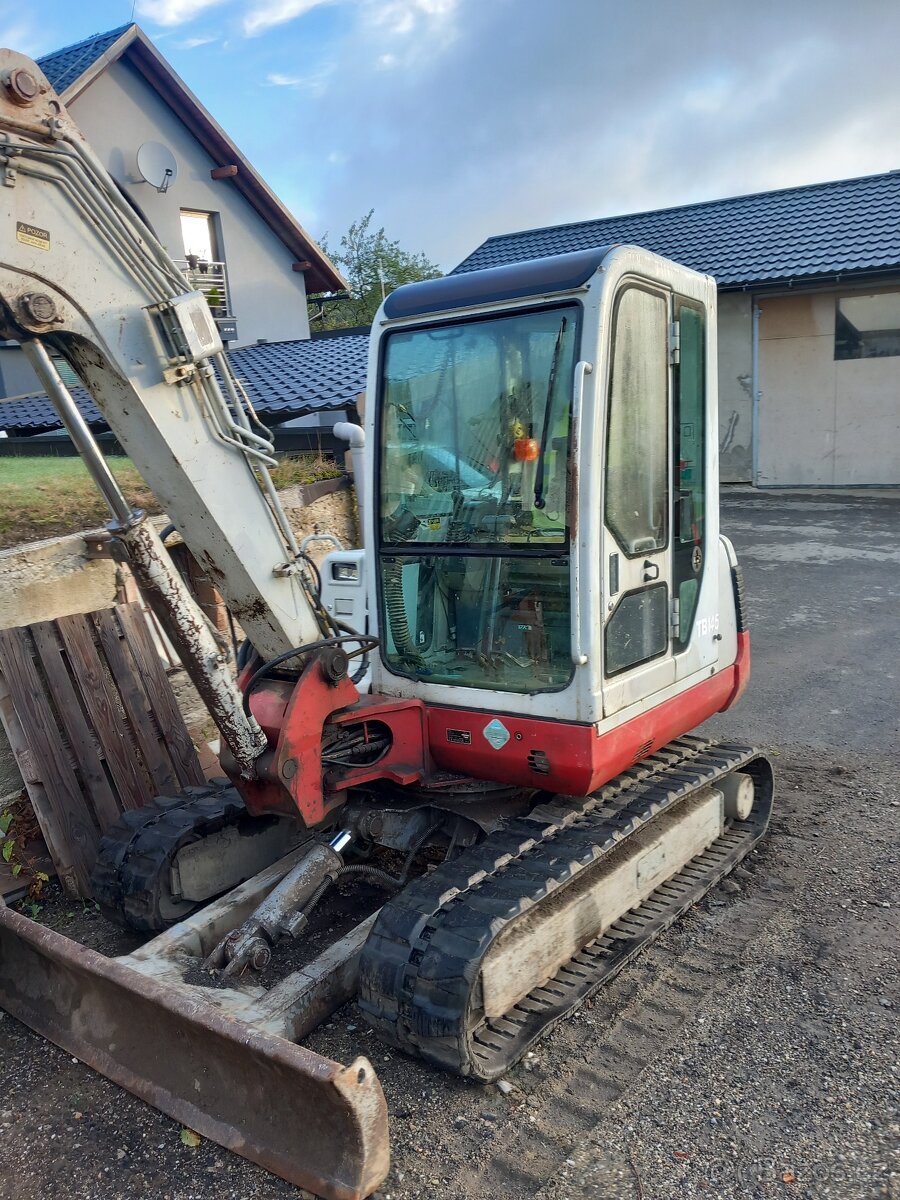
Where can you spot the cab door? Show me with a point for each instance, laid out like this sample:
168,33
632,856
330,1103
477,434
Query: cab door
695,625
638,650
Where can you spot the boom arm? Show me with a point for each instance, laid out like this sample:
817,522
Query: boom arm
83,275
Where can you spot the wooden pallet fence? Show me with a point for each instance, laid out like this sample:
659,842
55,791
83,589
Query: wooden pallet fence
95,728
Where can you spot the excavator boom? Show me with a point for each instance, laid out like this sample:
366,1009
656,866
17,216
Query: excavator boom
84,275
83,278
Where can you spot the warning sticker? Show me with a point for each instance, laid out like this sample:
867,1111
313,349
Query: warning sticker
496,733
31,235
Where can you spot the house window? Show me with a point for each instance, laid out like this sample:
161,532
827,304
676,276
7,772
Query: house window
867,326
199,235
204,268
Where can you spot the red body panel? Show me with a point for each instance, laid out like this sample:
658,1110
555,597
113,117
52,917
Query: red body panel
291,776
406,762
575,759
538,753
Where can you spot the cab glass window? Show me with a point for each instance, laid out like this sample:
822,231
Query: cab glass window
690,440
637,437
475,431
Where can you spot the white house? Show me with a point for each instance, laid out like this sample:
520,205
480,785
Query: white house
212,212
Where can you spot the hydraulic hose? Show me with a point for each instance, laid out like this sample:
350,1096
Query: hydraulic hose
366,643
392,580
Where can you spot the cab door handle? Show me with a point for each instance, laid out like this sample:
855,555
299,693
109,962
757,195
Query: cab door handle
651,571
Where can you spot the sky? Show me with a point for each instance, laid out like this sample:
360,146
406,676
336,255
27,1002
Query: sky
459,119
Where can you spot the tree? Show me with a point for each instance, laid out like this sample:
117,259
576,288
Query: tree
372,265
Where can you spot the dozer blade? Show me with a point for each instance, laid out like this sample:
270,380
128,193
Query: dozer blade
310,1120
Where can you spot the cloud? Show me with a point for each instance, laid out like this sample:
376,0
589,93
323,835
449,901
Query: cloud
400,17
192,43
458,119
710,94
384,18
21,36
290,81
277,12
409,31
315,83
174,12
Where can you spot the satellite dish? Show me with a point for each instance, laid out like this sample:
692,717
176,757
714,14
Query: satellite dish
157,165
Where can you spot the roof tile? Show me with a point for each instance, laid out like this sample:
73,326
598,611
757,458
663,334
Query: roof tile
63,67
849,226
283,380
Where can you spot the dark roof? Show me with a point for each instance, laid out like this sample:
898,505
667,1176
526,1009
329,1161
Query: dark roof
537,277
291,379
27,415
63,67
848,227
73,68
283,379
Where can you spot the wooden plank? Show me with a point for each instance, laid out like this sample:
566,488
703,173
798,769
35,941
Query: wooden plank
64,687
135,702
168,715
66,702
75,836
128,592
25,759
132,783
16,736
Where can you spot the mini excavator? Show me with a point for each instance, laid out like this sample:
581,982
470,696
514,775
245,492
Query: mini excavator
499,691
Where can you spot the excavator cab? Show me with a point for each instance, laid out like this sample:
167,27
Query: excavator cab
543,545
473,521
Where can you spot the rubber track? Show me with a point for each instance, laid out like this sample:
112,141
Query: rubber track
420,968
134,855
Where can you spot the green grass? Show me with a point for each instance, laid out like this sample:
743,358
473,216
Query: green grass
46,497
304,468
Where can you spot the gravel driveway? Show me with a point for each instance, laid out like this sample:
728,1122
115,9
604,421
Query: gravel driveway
750,1052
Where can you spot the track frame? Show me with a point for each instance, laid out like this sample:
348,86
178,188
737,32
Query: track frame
420,969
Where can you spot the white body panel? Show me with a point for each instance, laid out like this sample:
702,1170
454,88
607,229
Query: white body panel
344,587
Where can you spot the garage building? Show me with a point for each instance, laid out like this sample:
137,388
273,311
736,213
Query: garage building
809,321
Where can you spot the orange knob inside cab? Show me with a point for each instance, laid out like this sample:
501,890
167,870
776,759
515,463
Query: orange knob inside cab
526,449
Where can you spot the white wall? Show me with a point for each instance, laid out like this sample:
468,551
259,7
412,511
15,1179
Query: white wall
117,113
822,422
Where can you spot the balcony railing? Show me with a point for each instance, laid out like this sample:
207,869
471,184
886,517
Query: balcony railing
211,278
